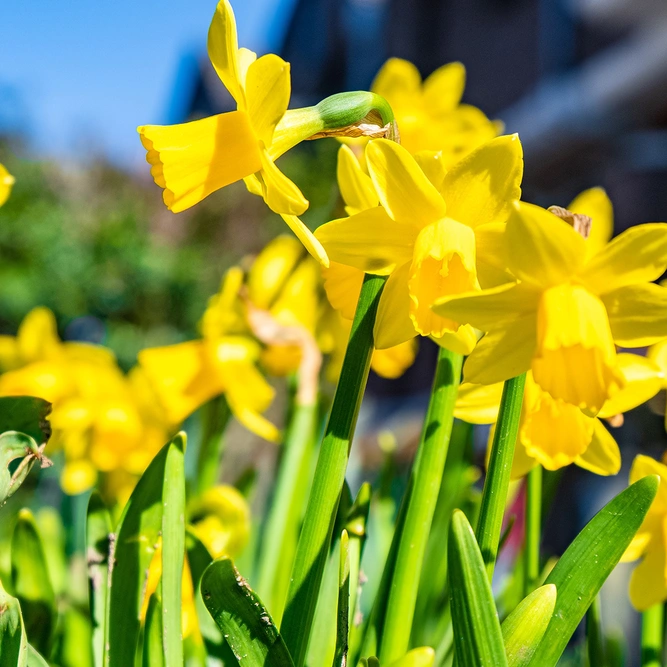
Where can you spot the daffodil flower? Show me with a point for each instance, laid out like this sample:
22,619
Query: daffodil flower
648,583
429,114
554,433
6,183
434,234
568,308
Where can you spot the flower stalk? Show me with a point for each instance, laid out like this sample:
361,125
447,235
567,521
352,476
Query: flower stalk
216,416
533,528
653,623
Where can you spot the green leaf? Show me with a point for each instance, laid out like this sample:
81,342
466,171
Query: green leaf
524,628
75,645
477,636
137,537
98,544
587,563
26,414
14,446
245,622
153,653
173,554
343,616
12,634
31,583
34,659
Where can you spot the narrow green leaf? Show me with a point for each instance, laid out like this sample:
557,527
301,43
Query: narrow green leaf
153,652
13,643
34,659
26,414
587,563
173,553
524,628
594,635
343,617
652,639
137,537
424,656
478,639
245,623
215,416
75,633
315,539
98,544
31,583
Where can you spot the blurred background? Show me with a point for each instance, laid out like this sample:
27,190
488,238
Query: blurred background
584,83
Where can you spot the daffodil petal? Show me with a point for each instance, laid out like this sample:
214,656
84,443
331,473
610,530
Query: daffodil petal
342,285
394,361
432,164
403,188
643,380
482,187
280,194
370,241
443,89
597,206
223,50
502,354
648,585
310,243
462,341
6,183
398,81
637,255
478,403
192,160
643,466
640,541
356,187
267,94
637,314
393,325
38,335
602,456
522,463
491,255
246,57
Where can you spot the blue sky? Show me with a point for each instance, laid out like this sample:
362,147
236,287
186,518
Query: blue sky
82,74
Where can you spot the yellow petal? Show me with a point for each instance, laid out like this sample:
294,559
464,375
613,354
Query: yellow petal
267,93
443,265
545,250
398,81
44,379
602,456
223,50
393,324
637,314
483,187
310,243
394,361
246,57
658,355
343,284
522,463
356,187
502,354
648,585
38,336
643,380
433,166
491,309
192,160
555,433
444,88
478,403
637,255
280,194
77,477
596,205
640,541
575,358
403,188
492,255
370,241
643,466
6,183
462,341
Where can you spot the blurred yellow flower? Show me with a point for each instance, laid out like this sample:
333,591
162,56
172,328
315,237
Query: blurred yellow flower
434,234
648,583
568,308
429,114
192,160
6,183
555,434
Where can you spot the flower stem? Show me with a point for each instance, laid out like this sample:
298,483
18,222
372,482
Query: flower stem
533,529
594,636
216,415
496,484
419,505
313,546
652,636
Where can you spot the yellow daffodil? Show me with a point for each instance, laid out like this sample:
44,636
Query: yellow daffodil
192,160
6,183
556,434
568,308
435,233
648,583
187,375
429,114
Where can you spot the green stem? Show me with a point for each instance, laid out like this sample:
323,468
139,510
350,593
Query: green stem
215,415
594,636
652,636
533,529
313,546
420,502
496,484
282,524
